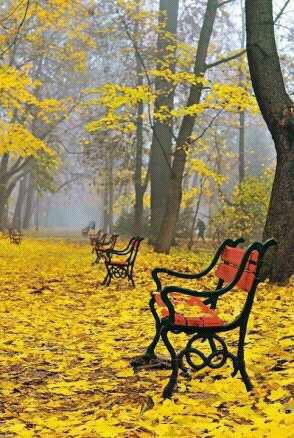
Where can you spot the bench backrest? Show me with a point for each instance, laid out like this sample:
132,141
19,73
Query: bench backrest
229,266
134,245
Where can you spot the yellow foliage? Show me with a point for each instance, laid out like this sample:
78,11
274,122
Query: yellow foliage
16,139
203,169
66,342
189,196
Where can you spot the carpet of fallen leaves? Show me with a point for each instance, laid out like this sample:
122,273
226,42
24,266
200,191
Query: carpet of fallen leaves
66,343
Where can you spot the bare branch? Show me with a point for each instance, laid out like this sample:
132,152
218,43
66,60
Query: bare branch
281,11
227,59
225,2
18,30
208,126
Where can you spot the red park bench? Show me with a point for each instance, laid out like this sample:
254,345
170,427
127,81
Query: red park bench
237,267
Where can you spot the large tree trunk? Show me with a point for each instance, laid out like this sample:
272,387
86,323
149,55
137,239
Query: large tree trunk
168,226
278,111
161,146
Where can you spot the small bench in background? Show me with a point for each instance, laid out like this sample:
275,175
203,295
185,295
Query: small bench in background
15,236
120,263
101,247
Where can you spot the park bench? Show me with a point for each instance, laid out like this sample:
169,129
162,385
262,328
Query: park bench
89,227
103,245
120,263
15,236
237,267
94,236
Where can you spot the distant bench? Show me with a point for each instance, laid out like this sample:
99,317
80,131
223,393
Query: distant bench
15,236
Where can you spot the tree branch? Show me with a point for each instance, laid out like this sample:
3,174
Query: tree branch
18,30
223,60
281,11
17,167
208,126
225,2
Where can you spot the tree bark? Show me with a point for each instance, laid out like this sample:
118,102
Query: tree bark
242,116
28,211
168,226
139,191
278,112
17,217
161,146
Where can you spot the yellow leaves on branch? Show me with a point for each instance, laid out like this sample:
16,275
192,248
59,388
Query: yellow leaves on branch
201,168
232,98
16,139
14,88
16,96
118,101
181,77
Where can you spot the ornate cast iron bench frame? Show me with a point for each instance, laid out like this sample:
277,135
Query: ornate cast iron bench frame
238,267
103,246
122,266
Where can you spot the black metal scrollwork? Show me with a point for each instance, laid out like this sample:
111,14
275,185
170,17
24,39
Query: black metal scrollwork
118,272
197,359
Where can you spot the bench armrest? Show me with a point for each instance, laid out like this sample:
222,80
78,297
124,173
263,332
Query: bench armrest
110,252
193,293
194,276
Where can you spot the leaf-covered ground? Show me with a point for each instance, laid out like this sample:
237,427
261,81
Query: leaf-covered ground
66,342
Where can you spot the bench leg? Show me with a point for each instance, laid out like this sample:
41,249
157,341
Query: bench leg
169,388
150,353
241,360
107,279
130,277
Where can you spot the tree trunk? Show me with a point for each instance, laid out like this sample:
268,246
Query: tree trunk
278,112
17,217
139,193
242,113
241,146
105,209
3,186
37,212
110,193
161,146
191,241
28,212
168,226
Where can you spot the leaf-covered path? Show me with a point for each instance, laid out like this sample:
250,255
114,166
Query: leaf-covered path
66,342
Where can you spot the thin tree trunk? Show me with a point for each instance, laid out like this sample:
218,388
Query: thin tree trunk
28,211
241,146
3,186
161,146
190,243
242,116
278,111
168,227
17,217
110,193
37,212
139,193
